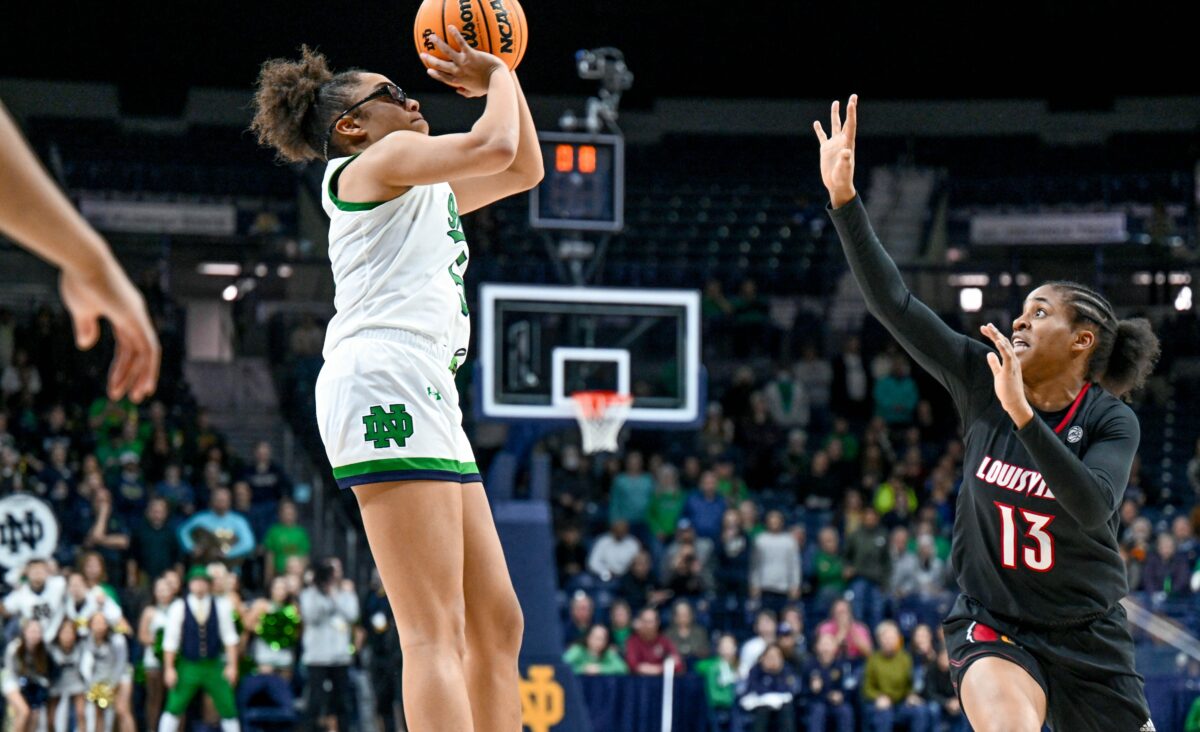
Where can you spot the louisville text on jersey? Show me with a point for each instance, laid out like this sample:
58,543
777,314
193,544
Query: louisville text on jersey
1013,478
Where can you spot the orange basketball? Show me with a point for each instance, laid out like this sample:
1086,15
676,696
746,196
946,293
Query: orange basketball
493,26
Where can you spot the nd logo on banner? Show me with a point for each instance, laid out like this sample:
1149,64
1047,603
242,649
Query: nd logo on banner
543,702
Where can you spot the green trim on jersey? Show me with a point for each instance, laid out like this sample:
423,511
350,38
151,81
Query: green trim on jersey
349,205
394,464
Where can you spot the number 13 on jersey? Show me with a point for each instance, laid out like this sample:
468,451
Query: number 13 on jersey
1037,552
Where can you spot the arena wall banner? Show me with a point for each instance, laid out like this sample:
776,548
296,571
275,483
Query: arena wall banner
1050,228
551,700
155,217
28,529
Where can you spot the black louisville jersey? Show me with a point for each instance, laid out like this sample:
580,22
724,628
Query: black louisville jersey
1035,535
1017,549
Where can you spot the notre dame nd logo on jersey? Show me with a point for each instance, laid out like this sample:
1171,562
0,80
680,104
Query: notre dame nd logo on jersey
457,237
383,428
455,222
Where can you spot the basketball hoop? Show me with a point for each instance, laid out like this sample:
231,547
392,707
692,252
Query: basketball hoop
601,414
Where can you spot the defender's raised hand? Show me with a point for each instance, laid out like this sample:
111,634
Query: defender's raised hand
837,152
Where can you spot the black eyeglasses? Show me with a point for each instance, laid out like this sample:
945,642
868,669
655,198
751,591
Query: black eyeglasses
396,94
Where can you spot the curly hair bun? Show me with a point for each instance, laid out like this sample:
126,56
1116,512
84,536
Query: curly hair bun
1135,352
287,93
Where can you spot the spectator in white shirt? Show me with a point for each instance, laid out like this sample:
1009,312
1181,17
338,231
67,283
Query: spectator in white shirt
775,565
330,609
39,598
765,629
82,602
613,552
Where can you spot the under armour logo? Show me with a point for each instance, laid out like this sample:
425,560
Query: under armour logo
384,427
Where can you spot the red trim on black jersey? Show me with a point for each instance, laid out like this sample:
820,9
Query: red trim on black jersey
1074,407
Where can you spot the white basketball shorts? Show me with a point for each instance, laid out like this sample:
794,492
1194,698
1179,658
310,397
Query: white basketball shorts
388,410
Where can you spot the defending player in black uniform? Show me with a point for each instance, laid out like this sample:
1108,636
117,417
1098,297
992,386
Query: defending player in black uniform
1037,633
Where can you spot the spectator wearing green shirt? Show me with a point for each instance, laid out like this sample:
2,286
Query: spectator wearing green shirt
1192,724
749,514
925,527
666,505
620,620
632,490
828,570
729,483
285,539
106,415
111,448
720,674
888,684
594,655
841,433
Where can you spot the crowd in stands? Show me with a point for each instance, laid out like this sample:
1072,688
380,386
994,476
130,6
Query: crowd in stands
149,499
795,550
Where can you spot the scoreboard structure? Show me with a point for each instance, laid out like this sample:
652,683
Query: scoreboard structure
584,185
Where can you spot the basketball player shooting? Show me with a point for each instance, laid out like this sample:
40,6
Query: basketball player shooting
1037,633
394,194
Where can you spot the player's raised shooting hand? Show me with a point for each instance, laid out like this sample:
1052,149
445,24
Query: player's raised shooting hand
467,70
837,152
1010,386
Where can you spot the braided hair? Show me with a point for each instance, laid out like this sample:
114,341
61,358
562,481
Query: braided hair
294,103
1126,350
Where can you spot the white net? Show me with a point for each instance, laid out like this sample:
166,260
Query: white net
601,414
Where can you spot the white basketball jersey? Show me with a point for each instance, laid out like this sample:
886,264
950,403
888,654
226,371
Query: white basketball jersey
398,264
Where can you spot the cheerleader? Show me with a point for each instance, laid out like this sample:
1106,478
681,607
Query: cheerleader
276,623
150,635
83,602
105,669
28,673
66,652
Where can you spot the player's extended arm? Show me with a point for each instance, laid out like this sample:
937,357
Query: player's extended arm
1090,489
406,158
525,172
953,358
35,213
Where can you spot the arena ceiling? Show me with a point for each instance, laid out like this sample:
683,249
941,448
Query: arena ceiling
1079,55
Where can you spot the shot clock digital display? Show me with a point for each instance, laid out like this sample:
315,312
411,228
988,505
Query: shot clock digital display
584,185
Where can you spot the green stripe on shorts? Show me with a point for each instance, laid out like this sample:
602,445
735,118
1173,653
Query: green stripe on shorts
394,464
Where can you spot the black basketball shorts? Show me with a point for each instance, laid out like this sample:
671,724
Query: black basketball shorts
1086,671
